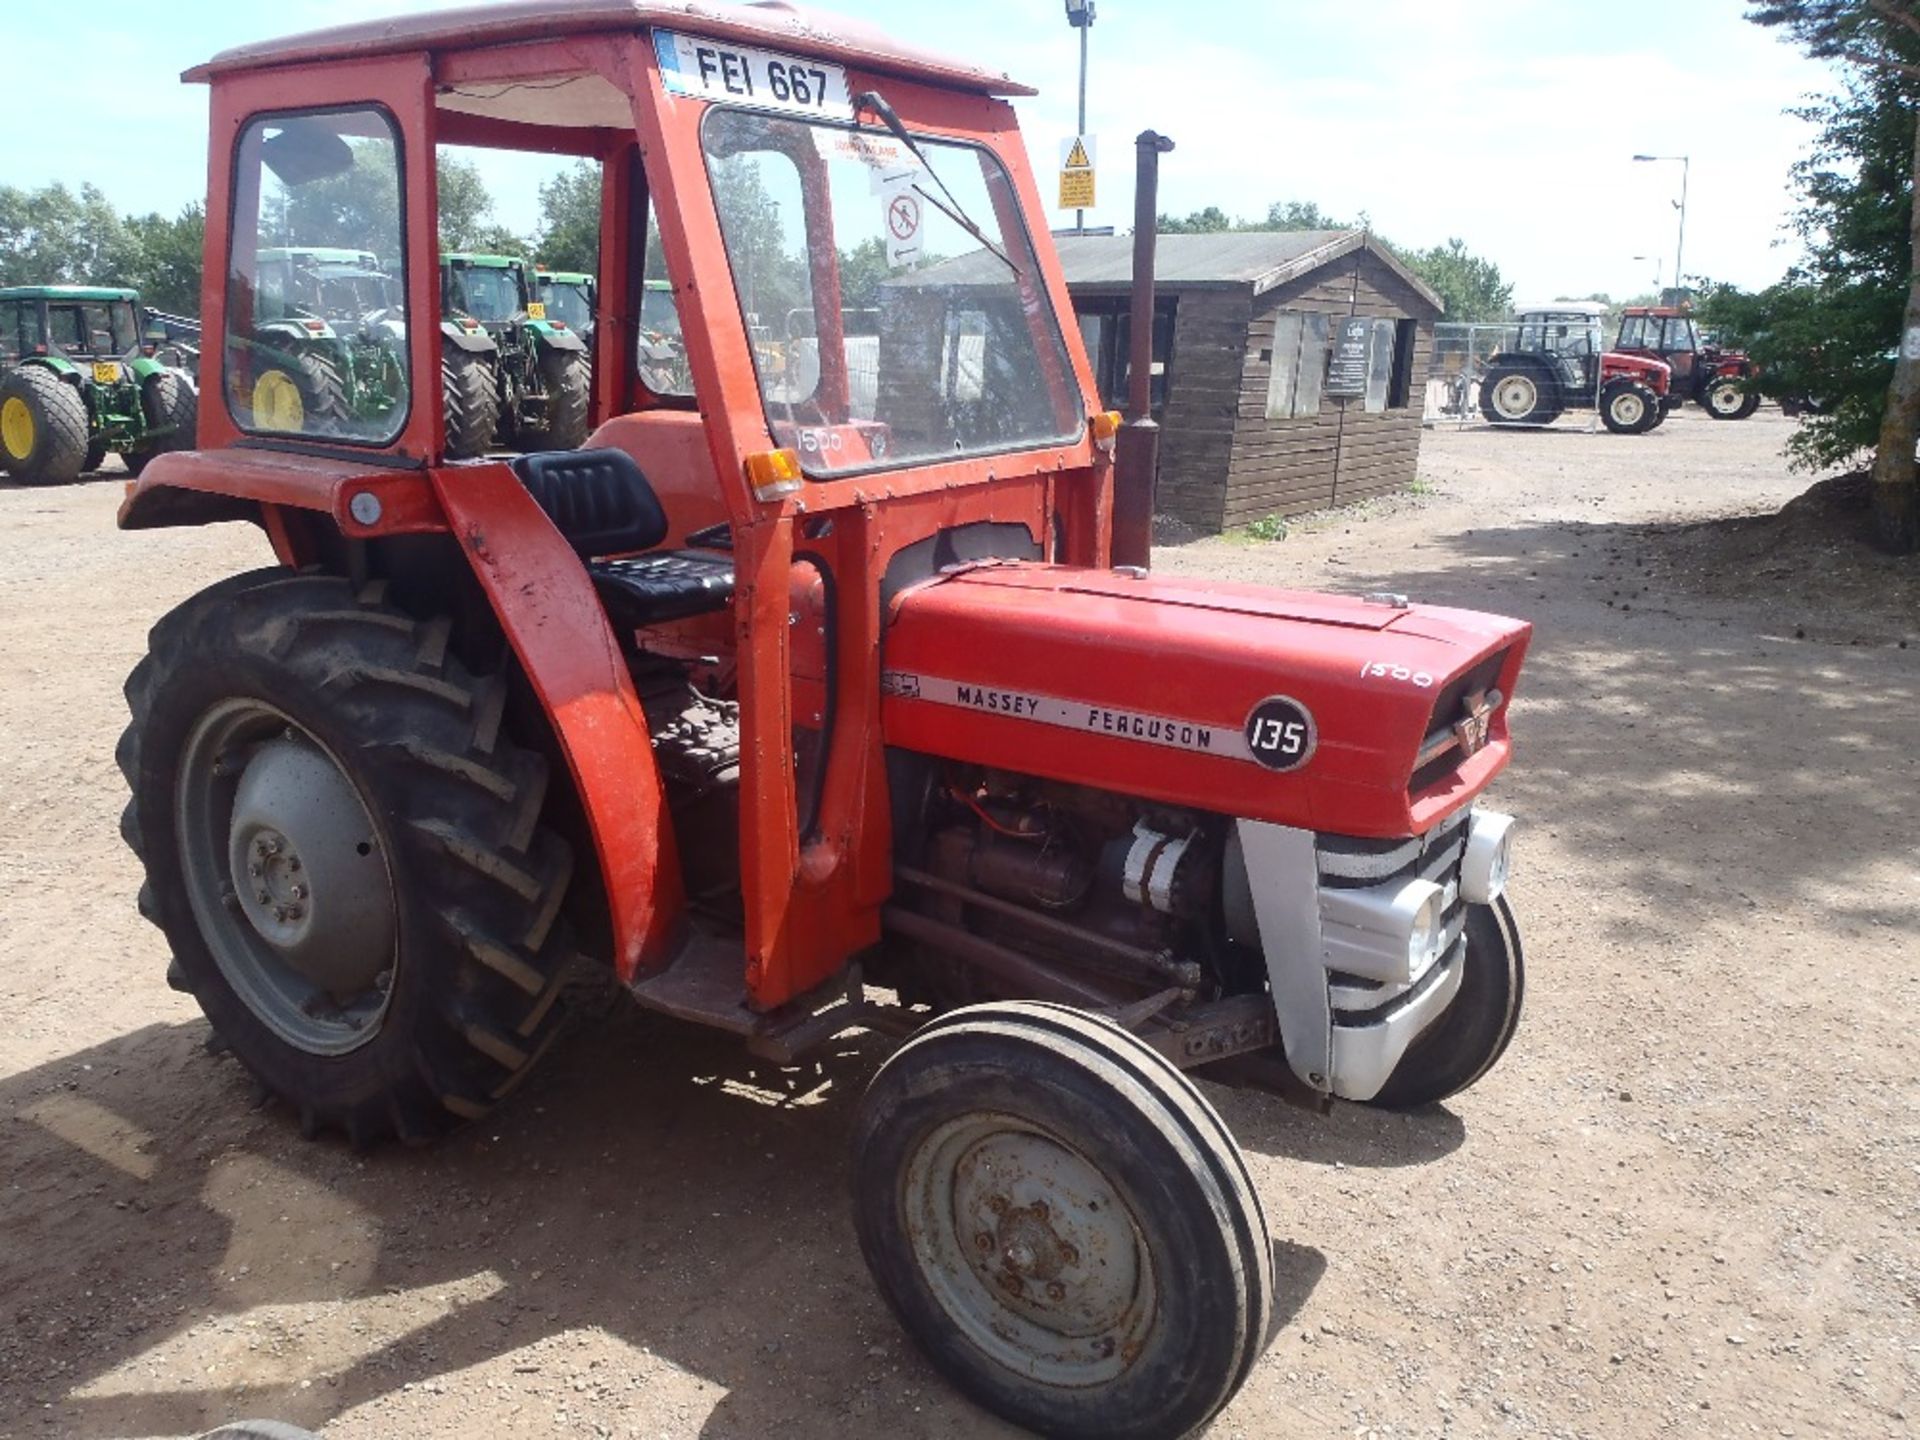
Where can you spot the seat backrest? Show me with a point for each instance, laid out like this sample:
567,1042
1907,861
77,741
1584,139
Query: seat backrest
598,499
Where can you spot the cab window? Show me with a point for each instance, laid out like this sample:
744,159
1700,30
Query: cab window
302,182
1680,334
9,330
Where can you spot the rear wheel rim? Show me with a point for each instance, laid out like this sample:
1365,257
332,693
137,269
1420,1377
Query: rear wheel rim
16,427
287,877
1725,398
1515,397
1030,1250
277,404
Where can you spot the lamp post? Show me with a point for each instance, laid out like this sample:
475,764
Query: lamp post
1080,17
1679,249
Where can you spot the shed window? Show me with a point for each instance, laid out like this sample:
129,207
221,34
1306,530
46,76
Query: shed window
1299,363
1106,327
318,192
1389,365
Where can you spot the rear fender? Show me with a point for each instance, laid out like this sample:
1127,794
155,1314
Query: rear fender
476,342
545,334
559,631
58,364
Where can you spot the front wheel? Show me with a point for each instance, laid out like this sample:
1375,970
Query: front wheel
1062,1223
345,853
173,415
1728,397
1629,408
1473,1032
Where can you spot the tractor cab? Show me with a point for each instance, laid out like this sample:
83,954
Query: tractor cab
787,681
1719,380
569,296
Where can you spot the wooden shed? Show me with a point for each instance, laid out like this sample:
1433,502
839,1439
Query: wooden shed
1287,365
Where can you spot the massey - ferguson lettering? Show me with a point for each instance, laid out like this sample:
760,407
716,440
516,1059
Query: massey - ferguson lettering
805,698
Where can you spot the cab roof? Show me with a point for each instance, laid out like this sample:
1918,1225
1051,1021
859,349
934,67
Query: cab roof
490,262
773,23
566,277
67,292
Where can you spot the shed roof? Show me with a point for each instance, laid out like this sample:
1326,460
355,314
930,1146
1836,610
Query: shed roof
1261,259
774,23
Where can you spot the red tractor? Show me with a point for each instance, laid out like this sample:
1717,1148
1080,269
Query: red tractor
1557,363
799,706
1719,381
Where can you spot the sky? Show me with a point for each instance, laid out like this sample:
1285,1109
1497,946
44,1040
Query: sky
1431,119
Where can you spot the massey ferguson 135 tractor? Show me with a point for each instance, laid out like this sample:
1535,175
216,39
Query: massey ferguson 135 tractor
1559,363
798,713
1719,381
77,384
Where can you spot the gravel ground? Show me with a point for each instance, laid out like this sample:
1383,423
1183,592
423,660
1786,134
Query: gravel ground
1685,1204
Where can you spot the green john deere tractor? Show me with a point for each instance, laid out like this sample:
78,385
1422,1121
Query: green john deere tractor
542,377
329,341
76,384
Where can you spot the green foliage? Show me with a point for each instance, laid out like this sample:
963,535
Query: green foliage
1827,331
52,236
570,219
1471,285
166,270
1210,221
1267,527
465,207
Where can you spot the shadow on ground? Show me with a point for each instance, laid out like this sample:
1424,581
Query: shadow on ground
191,1260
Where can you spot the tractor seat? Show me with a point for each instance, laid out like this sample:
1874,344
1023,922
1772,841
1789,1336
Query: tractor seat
600,501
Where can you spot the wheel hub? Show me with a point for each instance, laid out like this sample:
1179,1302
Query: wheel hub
306,867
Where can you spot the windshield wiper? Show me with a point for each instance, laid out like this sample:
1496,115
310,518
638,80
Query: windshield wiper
873,100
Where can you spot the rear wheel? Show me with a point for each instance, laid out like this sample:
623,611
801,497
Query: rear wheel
1473,1032
307,396
173,412
1727,397
472,399
567,378
43,427
1062,1223
1629,408
345,853
1517,395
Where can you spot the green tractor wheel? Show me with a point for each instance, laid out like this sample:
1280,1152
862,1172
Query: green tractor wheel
43,427
96,455
567,377
308,396
472,401
169,402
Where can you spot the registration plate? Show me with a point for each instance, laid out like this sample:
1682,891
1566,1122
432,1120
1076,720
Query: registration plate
695,65
537,310
106,372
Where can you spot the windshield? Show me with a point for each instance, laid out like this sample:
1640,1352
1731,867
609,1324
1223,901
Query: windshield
488,293
93,327
881,329
567,301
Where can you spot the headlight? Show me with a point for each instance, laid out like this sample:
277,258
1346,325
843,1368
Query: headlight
1489,858
1385,932
1423,936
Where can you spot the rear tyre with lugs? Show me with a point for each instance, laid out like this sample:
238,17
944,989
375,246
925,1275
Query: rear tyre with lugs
472,399
345,853
568,381
1062,1223
43,427
1518,395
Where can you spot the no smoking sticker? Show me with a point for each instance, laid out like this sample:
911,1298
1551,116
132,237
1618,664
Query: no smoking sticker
903,217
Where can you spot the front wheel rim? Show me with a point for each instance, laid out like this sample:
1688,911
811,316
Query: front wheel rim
1029,1250
287,877
1628,409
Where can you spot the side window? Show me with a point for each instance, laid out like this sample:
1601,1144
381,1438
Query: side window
1379,365
1680,334
69,329
303,183
1299,364
9,330
663,352
1631,330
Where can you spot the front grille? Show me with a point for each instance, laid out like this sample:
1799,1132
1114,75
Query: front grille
1440,753
1346,861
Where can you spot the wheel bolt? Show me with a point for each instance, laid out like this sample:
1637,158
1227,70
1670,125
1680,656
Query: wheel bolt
262,896
1056,1291
254,871
1069,1255
1010,1283
293,862
997,1204
983,1242
299,892
1038,1209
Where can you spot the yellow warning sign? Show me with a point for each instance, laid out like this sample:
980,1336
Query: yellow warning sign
1076,190
1079,161
1077,156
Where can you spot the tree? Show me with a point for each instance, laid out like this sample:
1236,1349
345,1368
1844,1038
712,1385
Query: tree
1881,39
1299,215
1210,221
167,266
570,219
465,204
1472,287
52,236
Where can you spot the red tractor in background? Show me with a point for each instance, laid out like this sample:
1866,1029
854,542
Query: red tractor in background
1719,381
797,706
1558,363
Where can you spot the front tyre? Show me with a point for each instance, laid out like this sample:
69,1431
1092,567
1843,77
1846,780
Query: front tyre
1062,1223
1727,397
344,852
1473,1032
1629,408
